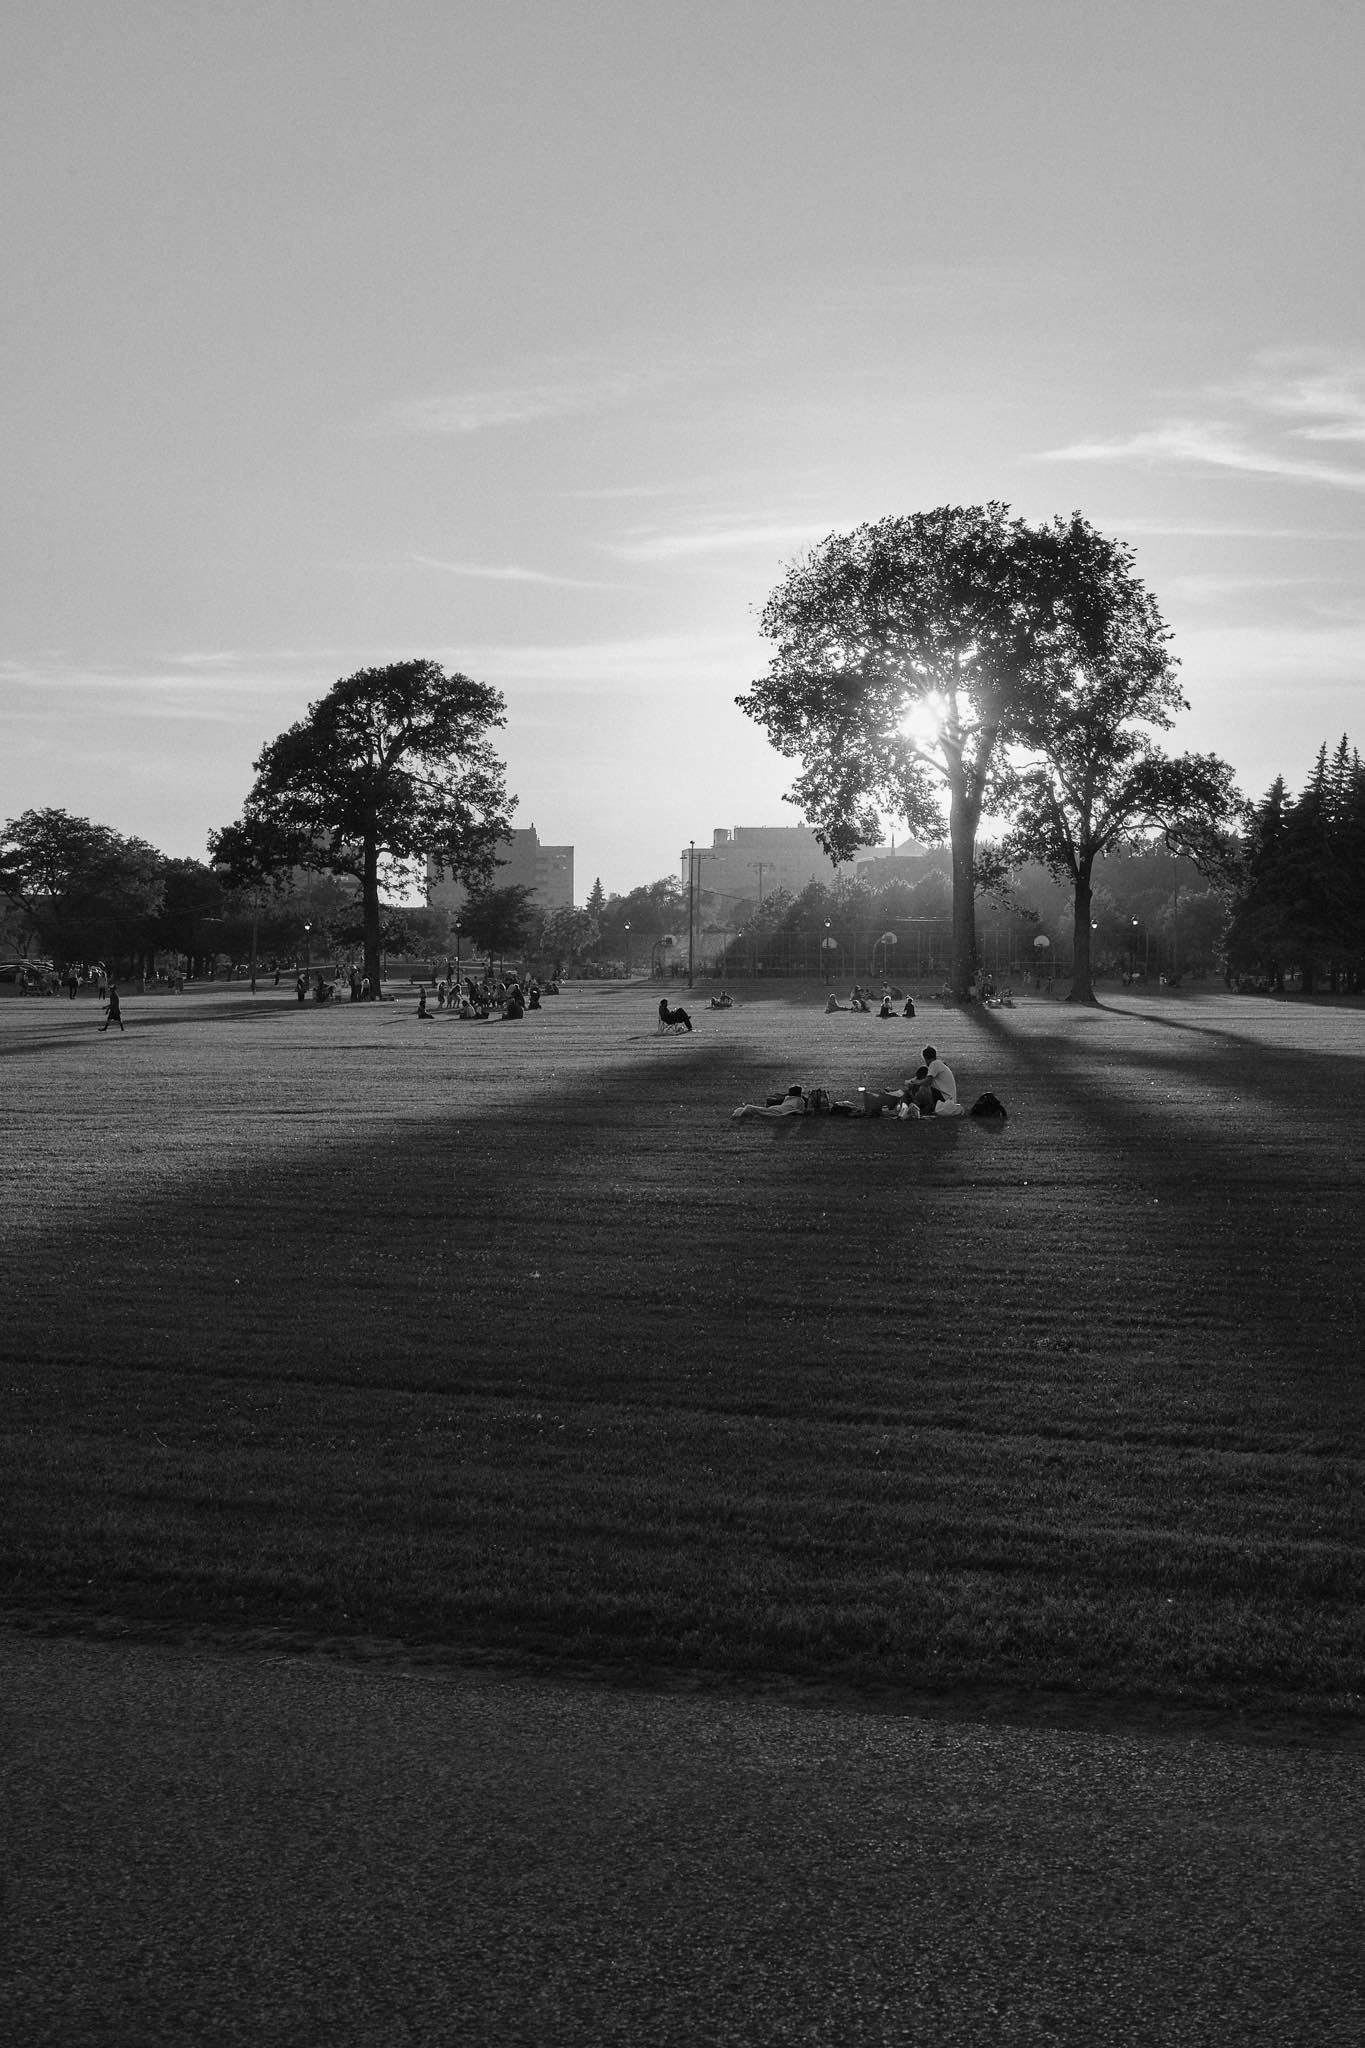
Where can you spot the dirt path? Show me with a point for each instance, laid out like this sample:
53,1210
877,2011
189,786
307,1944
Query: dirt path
220,1849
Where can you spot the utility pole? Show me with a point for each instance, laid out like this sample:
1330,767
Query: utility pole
757,867
691,902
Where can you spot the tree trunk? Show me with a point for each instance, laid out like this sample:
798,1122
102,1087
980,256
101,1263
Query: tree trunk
962,821
1082,972
370,907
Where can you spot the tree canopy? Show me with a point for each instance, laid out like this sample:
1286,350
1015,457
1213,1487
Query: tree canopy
88,892
1301,900
390,770
911,651
498,920
1092,775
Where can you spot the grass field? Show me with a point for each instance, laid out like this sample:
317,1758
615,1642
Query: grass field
503,1340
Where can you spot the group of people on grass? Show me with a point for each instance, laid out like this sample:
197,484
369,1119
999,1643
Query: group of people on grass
472,999
930,1091
861,999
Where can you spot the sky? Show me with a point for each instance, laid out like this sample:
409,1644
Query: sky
538,338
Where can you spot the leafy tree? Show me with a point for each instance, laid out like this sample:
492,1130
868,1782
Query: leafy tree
567,934
89,893
192,909
391,767
1095,776
499,921
909,653
650,910
1301,899
16,932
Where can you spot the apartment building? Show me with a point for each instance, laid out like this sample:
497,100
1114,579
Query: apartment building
547,871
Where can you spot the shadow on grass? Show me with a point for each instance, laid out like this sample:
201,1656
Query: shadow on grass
587,1372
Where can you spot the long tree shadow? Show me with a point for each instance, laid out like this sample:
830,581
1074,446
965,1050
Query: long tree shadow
522,1368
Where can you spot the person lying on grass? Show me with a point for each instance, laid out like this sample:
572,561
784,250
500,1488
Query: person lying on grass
799,1101
793,1103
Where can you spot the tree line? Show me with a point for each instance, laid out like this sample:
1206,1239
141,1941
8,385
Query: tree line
1299,905
933,670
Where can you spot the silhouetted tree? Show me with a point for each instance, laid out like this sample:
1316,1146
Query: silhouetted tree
1301,899
498,921
88,892
391,768
911,651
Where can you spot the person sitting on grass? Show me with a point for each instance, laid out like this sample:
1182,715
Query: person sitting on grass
933,1090
858,1001
832,1004
886,1009
669,1017
422,1009
909,1009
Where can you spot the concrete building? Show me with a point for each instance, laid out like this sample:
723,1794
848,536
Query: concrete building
745,864
547,871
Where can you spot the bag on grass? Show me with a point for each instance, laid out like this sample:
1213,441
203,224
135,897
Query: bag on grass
988,1105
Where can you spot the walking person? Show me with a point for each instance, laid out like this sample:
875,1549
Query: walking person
112,1012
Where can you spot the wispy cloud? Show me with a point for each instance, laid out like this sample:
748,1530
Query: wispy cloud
555,388
1256,425
1141,524
714,540
1304,660
509,572
603,667
192,685
1323,393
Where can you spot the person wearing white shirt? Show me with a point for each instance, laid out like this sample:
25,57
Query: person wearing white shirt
941,1077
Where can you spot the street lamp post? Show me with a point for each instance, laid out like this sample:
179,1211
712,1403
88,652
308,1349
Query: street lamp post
307,953
457,952
627,949
255,901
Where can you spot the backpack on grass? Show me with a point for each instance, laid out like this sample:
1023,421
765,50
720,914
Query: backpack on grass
988,1105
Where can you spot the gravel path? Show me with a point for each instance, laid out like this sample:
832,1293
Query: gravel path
202,1848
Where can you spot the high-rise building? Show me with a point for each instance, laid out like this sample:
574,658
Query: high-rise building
547,871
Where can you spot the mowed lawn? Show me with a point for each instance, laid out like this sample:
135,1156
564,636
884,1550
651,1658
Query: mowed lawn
504,1340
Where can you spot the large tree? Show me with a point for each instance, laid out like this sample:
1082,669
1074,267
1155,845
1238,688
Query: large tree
390,769
1092,776
1122,788
909,654
88,892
